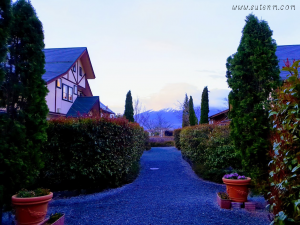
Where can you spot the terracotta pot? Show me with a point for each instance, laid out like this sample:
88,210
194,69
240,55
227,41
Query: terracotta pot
223,203
31,211
237,189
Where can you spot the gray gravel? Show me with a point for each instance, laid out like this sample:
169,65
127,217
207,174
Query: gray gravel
172,194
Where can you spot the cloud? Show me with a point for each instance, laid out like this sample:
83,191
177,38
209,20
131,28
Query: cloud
171,94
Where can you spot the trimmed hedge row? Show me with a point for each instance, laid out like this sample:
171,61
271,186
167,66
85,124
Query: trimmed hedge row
90,152
208,148
177,138
162,144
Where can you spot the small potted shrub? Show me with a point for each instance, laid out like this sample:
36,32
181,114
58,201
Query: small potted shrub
31,206
55,219
223,200
237,186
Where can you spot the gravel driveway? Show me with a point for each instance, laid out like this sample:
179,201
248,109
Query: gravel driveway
171,194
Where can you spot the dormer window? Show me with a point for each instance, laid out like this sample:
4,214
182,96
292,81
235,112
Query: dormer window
74,68
80,71
58,83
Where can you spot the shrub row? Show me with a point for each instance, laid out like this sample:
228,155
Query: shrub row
210,151
177,138
162,144
90,152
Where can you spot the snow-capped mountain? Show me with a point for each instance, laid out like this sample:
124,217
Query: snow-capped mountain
174,116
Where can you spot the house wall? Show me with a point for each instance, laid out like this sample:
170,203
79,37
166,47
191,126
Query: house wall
55,102
50,98
82,78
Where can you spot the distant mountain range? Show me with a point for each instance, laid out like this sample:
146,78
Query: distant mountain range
174,116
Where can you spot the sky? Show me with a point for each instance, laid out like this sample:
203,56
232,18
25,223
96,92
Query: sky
160,49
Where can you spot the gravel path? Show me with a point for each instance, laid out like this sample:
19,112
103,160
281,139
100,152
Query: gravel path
172,194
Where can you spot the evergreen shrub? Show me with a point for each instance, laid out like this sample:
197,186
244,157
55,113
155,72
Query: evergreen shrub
284,175
177,138
193,142
147,142
209,150
162,144
94,152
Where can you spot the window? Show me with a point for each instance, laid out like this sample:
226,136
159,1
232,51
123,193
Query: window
58,83
70,94
74,68
67,93
75,90
80,71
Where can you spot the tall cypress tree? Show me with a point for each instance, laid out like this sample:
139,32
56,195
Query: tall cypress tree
185,112
204,106
252,73
23,126
129,107
192,116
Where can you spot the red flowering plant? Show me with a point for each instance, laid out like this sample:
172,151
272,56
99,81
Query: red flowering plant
284,195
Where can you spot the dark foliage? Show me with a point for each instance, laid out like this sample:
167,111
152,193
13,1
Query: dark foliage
128,113
284,177
192,116
252,73
86,153
204,107
5,15
185,112
147,143
23,127
209,150
177,138
162,144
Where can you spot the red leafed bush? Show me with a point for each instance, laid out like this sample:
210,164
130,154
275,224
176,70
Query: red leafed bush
284,176
90,152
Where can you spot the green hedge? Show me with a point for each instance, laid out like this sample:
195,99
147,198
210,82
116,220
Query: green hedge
90,152
147,142
162,144
284,174
208,148
177,138
193,142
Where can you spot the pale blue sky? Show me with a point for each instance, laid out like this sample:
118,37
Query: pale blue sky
158,49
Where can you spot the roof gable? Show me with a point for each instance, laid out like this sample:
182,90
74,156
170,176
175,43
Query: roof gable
105,108
60,60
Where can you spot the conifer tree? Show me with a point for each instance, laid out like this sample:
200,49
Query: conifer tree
23,126
129,107
252,73
5,15
204,106
192,116
185,112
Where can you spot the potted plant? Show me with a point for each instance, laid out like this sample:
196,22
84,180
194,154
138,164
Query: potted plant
223,200
55,219
31,206
237,186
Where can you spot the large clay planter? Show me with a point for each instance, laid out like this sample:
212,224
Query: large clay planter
237,190
31,211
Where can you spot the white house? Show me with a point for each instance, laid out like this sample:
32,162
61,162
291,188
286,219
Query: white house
68,71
